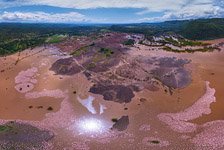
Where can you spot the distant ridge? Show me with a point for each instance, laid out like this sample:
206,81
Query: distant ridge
199,29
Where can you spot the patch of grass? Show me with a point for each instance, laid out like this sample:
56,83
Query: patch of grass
91,65
5,128
192,43
81,50
98,58
205,49
129,42
184,42
104,30
106,51
76,53
55,38
172,41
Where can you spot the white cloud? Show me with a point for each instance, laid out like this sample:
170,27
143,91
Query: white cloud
172,9
153,5
71,17
205,10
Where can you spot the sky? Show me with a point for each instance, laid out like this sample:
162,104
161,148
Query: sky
108,11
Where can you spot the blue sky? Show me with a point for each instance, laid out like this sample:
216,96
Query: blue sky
108,11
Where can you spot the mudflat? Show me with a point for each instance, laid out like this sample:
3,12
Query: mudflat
118,96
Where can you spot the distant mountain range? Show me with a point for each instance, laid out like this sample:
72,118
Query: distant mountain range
200,29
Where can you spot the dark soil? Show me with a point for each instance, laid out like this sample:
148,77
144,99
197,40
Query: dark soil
171,72
121,124
65,66
116,93
49,108
23,136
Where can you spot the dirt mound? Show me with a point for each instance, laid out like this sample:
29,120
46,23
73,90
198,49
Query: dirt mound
121,124
66,66
116,93
171,72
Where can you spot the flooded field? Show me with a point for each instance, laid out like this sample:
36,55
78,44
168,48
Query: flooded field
138,97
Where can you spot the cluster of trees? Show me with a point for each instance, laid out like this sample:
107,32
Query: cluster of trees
18,45
106,51
204,29
129,42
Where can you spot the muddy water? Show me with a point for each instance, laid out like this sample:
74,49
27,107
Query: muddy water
14,105
142,114
211,69
204,67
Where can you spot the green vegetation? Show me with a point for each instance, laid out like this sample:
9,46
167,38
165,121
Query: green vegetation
172,41
5,128
106,51
98,58
81,50
76,53
9,47
104,30
129,42
184,42
191,43
204,29
56,38
91,65
205,49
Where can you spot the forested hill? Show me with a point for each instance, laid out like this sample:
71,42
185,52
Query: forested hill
201,29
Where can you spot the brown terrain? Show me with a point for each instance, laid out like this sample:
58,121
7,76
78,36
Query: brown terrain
98,93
